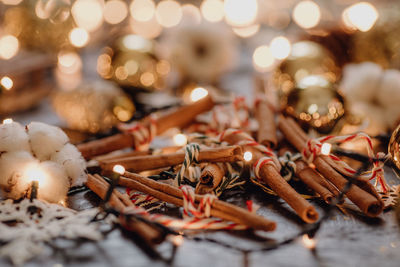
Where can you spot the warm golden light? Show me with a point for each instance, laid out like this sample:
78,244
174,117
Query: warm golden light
79,37
361,16
147,29
240,12
248,156
119,169
247,31
212,10
177,240
198,93
6,82
168,13
163,67
262,58
280,47
8,46
307,14
180,139
142,10
69,62
308,242
326,149
191,14
11,2
136,42
88,14
147,78
115,11
34,173
8,121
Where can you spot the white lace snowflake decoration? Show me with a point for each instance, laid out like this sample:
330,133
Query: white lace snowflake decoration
26,226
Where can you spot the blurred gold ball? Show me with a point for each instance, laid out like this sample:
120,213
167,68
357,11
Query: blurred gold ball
132,64
93,106
316,102
394,149
306,58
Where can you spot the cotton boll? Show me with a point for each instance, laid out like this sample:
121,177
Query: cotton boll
389,90
45,139
12,175
375,115
13,137
392,116
71,159
360,81
54,186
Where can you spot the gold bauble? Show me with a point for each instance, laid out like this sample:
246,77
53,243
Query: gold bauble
46,33
394,149
381,44
132,63
93,106
306,58
316,102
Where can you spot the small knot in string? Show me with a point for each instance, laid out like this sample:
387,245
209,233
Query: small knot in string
204,208
288,164
142,134
191,155
313,150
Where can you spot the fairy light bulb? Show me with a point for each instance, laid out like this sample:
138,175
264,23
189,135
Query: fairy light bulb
326,149
69,62
9,46
180,139
248,156
307,14
308,242
198,93
33,173
240,12
168,13
115,11
361,16
247,31
6,82
212,10
8,121
119,169
280,47
262,58
88,14
142,10
79,37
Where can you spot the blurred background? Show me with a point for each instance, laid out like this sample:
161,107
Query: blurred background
87,65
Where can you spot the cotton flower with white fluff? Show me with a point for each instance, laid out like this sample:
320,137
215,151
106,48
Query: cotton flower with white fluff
373,93
202,52
43,154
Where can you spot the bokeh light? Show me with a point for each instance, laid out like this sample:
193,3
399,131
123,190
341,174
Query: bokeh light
361,16
8,46
115,11
191,14
262,58
147,29
6,82
212,10
69,62
247,31
168,13
180,139
280,47
307,14
198,93
240,12
88,14
142,10
79,37
11,2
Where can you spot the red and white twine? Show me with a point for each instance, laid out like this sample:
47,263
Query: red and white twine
143,134
313,149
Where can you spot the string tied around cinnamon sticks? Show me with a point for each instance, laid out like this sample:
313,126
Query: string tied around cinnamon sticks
288,164
204,208
314,149
191,156
143,134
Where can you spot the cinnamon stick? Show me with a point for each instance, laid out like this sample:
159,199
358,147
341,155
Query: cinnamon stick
211,177
149,234
150,162
174,195
265,116
275,181
368,203
178,118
